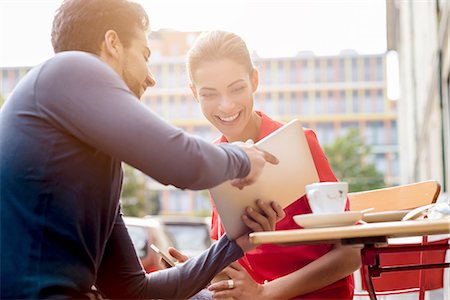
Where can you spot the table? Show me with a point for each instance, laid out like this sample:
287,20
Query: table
372,237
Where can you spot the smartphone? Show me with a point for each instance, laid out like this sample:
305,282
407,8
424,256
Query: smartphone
164,256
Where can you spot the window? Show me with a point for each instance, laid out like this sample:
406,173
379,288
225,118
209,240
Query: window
265,73
394,133
258,100
280,74
355,102
330,107
317,104
375,133
182,77
367,102
395,164
379,68
305,104
317,71
170,111
158,106
293,104
354,69
341,69
293,71
379,101
196,110
304,72
346,126
202,202
165,68
179,201
171,76
325,133
183,108
283,104
367,69
380,163
270,105
342,102
330,70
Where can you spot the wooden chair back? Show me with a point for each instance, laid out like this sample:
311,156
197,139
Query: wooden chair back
401,197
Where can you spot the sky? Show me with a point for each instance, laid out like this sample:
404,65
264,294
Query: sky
272,28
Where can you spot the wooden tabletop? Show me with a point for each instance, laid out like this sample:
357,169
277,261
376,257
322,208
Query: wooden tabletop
331,234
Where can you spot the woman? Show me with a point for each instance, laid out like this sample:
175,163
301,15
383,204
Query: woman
223,80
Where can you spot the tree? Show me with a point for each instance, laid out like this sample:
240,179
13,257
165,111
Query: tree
349,160
137,199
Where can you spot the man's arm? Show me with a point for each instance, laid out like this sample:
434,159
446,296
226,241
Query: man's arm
121,275
81,95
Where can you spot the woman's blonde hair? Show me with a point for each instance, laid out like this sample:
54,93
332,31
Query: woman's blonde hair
216,45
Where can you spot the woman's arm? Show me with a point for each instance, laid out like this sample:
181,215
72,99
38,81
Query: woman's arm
331,267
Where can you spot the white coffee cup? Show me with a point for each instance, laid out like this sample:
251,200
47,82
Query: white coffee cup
327,197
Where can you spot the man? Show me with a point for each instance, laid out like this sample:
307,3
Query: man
65,131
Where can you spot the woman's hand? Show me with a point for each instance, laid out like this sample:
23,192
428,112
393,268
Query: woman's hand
239,286
265,220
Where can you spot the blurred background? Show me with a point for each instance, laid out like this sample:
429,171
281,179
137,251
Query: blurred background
372,78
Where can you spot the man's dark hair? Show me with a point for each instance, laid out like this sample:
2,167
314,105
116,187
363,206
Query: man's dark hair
82,24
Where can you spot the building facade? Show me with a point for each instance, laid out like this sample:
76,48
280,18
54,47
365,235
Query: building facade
419,31
329,94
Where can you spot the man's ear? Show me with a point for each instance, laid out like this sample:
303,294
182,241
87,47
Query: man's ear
112,46
254,77
193,90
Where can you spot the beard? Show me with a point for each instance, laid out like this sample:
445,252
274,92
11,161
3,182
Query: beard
133,85
130,80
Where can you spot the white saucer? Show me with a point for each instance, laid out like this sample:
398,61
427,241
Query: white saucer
328,219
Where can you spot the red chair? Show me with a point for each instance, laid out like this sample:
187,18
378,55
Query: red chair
400,268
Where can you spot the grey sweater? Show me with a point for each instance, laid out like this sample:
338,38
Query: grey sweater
64,132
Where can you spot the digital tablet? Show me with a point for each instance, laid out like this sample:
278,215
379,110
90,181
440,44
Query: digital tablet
283,183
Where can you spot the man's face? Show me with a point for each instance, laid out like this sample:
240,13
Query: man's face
134,69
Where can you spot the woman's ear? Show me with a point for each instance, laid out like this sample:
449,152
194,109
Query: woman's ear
254,77
193,90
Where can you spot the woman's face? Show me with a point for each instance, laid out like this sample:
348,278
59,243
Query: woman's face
224,89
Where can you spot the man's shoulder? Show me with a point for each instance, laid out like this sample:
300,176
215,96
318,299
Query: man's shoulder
74,67
76,60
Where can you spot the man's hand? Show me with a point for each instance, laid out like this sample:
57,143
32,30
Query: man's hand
258,159
180,257
265,220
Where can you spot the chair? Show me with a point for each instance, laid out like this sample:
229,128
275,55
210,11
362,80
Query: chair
403,197
381,266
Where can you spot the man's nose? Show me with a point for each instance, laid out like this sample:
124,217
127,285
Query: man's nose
150,79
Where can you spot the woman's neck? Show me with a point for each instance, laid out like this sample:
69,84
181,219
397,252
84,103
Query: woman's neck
251,131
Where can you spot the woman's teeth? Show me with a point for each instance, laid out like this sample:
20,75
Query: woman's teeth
230,118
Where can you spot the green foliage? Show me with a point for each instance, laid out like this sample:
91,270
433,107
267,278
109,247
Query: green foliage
206,209
348,157
137,199
2,100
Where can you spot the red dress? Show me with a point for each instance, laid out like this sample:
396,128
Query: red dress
268,262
